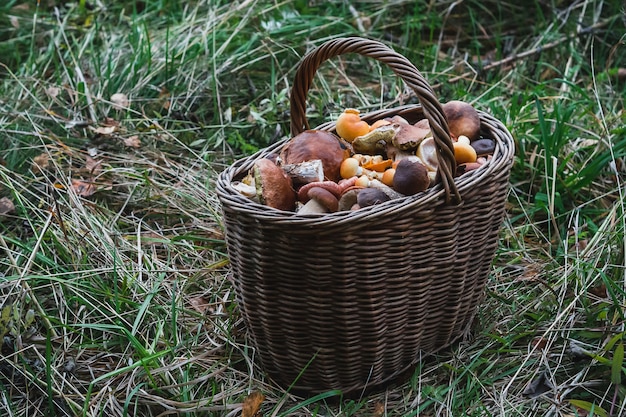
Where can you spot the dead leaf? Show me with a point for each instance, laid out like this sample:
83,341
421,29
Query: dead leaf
132,141
120,101
252,404
93,166
379,409
109,121
200,304
53,91
82,188
105,130
538,386
40,162
6,206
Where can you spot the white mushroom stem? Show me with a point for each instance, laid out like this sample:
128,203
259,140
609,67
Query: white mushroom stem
391,193
305,172
245,189
312,207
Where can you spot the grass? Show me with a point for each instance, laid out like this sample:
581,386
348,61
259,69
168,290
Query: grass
114,293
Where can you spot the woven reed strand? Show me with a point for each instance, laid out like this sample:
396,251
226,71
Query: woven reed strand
349,300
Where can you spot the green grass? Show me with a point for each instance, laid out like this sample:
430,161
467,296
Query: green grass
115,300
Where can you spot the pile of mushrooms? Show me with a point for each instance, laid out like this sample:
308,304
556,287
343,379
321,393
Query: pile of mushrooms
361,165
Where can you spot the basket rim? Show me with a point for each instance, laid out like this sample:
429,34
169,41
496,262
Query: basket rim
502,160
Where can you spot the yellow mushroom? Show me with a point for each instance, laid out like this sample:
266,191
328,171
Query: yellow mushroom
464,153
349,125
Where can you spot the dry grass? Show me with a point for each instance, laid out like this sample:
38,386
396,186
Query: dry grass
115,296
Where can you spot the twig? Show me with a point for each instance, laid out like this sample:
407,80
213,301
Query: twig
537,50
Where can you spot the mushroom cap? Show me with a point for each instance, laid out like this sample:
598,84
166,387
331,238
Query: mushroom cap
463,153
349,125
350,167
463,119
409,136
427,153
274,187
348,198
410,177
317,144
324,197
370,196
484,146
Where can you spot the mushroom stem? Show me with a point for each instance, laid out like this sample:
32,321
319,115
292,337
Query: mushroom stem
305,172
312,207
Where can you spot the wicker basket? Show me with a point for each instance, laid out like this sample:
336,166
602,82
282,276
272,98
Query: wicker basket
348,300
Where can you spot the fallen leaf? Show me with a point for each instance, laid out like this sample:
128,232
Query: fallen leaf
132,141
200,304
538,386
93,166
6,206
82,188
120,101
40,162
252,404
105,130
53,91
109,121
379,409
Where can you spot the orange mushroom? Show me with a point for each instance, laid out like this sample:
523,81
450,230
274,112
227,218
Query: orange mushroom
350,126
464,153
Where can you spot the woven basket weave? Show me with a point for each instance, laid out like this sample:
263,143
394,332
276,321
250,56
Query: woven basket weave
348,300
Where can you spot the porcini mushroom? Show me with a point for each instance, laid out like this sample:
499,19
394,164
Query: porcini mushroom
484,146
427,153
408,136
324,197
410,177
375,140
371,196
463,119
274,187
316,144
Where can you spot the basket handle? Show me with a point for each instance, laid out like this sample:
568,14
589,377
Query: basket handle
401,67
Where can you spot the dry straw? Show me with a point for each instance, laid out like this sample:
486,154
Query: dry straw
349,300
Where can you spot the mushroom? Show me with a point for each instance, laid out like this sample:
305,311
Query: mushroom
349,125
320,201
388,175
375,140
427,153
484,146
370,196
463,119
274,187
306,171
317,144
348,199
408,136
410,177
466,167
350,167
464,153
332,186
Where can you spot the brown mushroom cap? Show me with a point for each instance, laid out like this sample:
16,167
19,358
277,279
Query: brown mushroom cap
463,119
317,144
411,177
324,197
484,146
409,136
274,187
370,196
